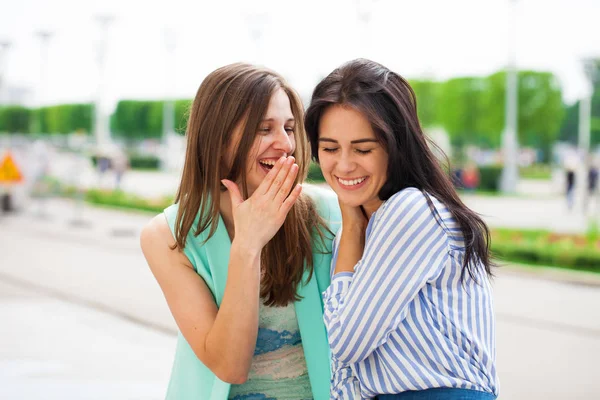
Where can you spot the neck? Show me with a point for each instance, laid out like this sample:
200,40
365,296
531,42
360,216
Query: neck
371,207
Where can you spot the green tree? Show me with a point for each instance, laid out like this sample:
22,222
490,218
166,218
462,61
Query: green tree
461,110
427,93
182,113
15,119
541,110
136,119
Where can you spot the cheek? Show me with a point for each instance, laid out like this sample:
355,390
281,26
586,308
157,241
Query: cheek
382,170
325,163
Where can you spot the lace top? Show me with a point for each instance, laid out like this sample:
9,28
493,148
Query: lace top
278,370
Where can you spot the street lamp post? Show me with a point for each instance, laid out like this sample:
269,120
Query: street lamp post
4,48
44,37
364,13
101,126
168,104
590,67
257,23
510,145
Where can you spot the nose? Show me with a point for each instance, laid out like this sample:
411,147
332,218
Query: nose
284,142
346,163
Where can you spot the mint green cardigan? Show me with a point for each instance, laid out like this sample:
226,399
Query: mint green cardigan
192,380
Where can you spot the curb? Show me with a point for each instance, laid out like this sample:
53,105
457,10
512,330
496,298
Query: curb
580,278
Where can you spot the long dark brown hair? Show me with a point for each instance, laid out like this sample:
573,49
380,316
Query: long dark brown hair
229,96
389,103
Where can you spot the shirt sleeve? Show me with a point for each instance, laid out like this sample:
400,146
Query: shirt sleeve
406,249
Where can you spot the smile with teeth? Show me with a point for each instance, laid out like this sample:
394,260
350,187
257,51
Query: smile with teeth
267,163
351,182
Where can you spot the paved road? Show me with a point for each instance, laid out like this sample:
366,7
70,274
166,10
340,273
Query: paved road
55,349
81,311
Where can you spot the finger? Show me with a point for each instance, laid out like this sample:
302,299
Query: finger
291,199
284,191
266,183
281,175
234,192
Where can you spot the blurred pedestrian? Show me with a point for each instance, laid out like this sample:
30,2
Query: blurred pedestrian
570,166
470,177
120,164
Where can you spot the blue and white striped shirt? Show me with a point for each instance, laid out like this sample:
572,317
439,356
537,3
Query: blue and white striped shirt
404,319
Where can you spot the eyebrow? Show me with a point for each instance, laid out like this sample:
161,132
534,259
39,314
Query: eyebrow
357,141
273,119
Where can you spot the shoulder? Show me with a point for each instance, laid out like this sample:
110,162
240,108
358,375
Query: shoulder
156,231
405,200
158,244
410,204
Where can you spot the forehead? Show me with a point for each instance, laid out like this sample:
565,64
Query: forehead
279,106
343,122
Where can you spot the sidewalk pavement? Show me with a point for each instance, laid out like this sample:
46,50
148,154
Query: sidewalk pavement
95,323
61,350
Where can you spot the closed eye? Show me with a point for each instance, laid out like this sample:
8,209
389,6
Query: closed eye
328,150
363,151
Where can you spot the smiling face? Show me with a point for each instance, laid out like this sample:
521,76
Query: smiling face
274,139
353,161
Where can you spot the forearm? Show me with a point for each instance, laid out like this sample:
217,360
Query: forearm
232,338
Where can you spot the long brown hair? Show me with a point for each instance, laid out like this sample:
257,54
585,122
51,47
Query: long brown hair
389,103
232,95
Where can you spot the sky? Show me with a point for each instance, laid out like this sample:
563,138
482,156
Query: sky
303,40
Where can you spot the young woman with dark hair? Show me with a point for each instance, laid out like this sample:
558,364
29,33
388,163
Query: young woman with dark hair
409,311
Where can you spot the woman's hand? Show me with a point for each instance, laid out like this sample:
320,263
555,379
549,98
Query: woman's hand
353,218
258,218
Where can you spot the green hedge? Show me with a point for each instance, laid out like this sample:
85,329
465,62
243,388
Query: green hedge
314,173
578,252
489,178
144,162
62,118
137,161
15,119
536,171
123,200
142,119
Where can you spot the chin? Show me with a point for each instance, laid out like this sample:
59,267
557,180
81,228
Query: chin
349,201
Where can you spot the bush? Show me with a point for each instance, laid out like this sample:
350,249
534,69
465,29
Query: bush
15,119
489,178
314,173
118,199
536,171
578,252
137,161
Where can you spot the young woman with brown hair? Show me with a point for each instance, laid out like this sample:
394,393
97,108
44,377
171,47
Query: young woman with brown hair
243,255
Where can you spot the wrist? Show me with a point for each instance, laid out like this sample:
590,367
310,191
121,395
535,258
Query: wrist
354,229
245,250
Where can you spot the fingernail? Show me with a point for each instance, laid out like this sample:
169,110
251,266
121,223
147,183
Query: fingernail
223,182
281,160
